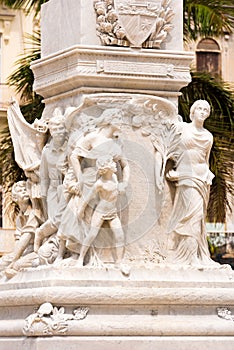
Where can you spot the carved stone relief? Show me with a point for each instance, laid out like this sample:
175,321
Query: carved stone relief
225,313
133,23
49,320
110,184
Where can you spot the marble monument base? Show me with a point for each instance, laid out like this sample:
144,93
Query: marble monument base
151,308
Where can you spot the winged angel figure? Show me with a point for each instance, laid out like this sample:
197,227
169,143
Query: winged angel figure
28,141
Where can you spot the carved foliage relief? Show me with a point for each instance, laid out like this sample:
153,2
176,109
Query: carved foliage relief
49,320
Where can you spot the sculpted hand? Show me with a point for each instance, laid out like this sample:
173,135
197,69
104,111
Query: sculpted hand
80,213
75,189
122,187
160,184
32,176
172,175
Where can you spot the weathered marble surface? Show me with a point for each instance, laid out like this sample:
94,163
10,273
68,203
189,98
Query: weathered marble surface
159,303
75,22
79,63
118,101
130,209
146,295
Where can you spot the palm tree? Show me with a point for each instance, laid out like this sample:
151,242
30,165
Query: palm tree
31,107
28,5
207,18
202,18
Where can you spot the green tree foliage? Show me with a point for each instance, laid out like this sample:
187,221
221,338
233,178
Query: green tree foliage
207,18
28,5
31,107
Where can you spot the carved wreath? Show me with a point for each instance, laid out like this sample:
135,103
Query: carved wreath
112,33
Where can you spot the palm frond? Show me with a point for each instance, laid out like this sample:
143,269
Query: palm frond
31,107
207,18
222,186
10,173
22,78
28,5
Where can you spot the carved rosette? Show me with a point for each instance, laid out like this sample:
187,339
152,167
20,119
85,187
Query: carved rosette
136,23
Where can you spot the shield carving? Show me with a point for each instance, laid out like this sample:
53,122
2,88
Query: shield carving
138,18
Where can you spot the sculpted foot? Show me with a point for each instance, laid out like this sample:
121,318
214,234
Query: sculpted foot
71,261
58,261
10,272
79,263
125,269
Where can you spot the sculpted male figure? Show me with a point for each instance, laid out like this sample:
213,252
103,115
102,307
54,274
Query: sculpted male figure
52,169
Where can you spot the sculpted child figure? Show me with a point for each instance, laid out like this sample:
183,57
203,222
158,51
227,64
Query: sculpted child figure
106,187
26,224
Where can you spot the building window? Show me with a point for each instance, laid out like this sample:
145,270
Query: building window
208,56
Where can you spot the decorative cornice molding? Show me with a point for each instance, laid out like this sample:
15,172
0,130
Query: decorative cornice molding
107,68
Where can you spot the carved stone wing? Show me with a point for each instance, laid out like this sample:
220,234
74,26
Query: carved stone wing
23,134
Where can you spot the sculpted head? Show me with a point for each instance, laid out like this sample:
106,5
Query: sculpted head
199,109
19,192
111,117
105,163
57,124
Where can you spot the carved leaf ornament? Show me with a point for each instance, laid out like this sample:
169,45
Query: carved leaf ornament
50,320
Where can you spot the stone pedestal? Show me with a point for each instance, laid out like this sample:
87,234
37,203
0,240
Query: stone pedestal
152,308
74,63
66,23
155,305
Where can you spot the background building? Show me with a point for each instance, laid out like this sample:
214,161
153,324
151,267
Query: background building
215,55
14,24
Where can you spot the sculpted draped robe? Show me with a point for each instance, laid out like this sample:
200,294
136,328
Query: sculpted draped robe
191,198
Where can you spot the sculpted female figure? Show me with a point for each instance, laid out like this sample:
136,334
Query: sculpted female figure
101,141
88,148
193,179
